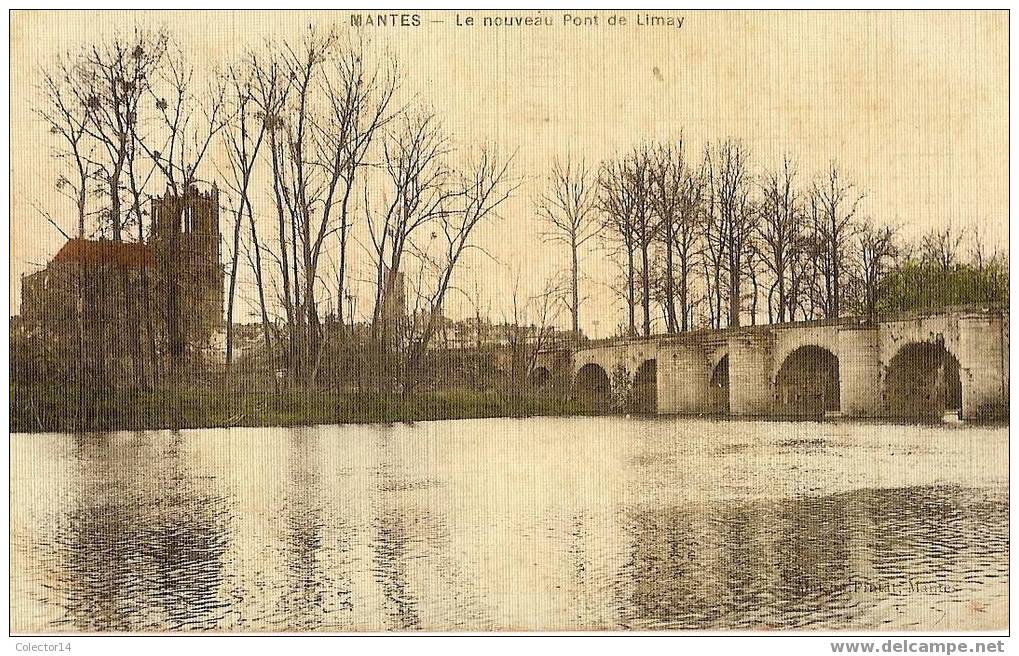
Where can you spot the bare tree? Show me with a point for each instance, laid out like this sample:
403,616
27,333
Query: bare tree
418,194
271,91
617,202
713,256
781,235
833,206
688,242
645,225
243,136
626,201
481,188
734,220
568,207
876,250
114,78
939,248
301,183
667,177
95,104
67,117
676,195
359,95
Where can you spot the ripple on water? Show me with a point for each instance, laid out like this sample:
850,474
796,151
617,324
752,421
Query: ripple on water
508,524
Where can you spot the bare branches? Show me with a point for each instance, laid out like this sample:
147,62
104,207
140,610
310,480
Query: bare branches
733,217
418,177
481,188
568,207
781,231
677,191
67,117
568,203
189,118
360,98
114,79
244,132
833,206
876,250
625,186
940,248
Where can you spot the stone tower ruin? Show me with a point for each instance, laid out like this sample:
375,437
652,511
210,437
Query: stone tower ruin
185,239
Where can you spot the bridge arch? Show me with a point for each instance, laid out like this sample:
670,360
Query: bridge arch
540,377
807,382
645,387
789,339
922,381
592,387
718,387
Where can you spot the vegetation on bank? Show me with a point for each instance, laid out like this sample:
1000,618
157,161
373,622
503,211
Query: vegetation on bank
51,409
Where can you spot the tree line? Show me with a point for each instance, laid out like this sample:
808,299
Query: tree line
317,152
704,238
323,155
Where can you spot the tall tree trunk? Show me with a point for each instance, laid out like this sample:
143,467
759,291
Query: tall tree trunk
631,291
754,298
288,303
684,287
341,282
717,273
734,297
836,282
781,292
259,279
646,288
299,314
82,198
575,307
670,301
115,207
232,289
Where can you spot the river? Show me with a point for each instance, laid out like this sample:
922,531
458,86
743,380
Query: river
550,524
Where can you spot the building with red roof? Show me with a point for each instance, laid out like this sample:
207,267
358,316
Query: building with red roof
106,252
110,291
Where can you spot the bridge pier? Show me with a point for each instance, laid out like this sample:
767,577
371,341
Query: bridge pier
750,384
684,378
859,371
983,364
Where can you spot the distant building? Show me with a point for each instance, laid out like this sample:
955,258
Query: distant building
86,303
120,297
98,274
185,240
481,333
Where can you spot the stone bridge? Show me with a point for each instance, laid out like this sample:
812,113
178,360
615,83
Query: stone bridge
919,365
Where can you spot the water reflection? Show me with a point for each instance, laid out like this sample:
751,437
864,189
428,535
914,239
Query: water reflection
303,602
828,561
404,531
494,524
140,547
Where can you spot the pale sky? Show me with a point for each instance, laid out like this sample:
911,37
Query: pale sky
912,105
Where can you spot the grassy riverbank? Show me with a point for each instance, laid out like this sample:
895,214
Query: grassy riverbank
54,410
